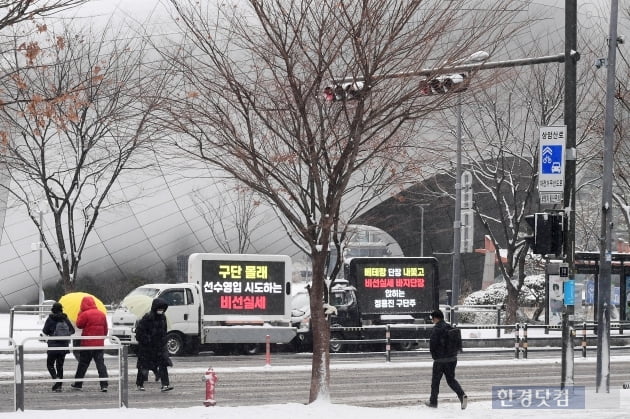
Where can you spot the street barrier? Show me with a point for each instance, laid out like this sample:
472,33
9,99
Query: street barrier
20,380
517,341
11,349
583,340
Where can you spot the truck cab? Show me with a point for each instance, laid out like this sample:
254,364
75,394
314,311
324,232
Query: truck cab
182,315
344,298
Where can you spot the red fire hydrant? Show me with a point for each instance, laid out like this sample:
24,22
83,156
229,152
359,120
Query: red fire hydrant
211,380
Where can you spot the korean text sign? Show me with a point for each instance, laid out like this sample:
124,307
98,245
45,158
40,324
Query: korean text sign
395,285
244,287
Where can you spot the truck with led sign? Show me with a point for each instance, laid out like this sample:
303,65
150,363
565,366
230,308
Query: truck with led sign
395,285
230,302
396,291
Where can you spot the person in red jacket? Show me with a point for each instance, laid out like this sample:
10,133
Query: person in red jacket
93,322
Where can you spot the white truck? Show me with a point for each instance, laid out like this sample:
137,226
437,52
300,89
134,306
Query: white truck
231,302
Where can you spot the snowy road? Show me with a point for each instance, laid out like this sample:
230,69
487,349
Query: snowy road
363,380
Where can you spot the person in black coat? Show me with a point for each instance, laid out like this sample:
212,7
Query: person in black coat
444,363
152,352
56,357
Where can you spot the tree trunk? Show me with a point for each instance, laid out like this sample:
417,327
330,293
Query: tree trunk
320,372
511,304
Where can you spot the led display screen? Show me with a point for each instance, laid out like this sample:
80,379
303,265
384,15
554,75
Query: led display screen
243,287
395,285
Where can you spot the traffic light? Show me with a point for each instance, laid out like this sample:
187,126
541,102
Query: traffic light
557,233
344,91
444,84
548,231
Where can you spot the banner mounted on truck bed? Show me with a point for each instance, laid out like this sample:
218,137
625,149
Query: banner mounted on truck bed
242,285
398,285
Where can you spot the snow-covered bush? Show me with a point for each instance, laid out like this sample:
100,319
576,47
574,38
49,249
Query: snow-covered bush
532,294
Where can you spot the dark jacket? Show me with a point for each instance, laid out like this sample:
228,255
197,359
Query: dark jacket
51,324
437,344
93,322
151,337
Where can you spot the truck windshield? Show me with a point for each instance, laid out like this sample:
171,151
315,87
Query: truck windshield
148,292
339,299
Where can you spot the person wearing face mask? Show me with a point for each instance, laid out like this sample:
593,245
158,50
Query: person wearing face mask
152,352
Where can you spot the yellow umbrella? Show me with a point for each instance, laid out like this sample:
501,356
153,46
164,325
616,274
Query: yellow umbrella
72,304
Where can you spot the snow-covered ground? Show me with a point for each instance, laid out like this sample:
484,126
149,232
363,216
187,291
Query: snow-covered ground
614,405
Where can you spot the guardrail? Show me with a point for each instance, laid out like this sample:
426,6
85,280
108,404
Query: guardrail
21,350
382,334
491,308
42,310
11,349
26,309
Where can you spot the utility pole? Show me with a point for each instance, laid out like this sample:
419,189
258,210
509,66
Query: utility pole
605,257
570,111
457,224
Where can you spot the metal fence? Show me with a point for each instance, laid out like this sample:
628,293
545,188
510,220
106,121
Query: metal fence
114,348
19,352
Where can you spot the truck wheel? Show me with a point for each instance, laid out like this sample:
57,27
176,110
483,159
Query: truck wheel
250,348
174,344
405,346
335,345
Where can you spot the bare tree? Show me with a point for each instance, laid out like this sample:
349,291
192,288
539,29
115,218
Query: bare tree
12,12
229,221
76,112
250,102
621,191
16,11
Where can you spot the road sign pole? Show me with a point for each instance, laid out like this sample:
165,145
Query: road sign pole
570,116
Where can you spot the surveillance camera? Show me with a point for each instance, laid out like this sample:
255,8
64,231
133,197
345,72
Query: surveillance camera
600,62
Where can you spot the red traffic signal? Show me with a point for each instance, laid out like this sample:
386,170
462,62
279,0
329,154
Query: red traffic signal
344,91
444,84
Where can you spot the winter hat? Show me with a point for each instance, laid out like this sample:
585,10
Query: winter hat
159,304
57,308
437,314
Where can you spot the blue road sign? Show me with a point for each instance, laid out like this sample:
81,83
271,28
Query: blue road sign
551,159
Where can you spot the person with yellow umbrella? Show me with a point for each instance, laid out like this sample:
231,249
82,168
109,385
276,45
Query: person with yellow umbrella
71,303
93,322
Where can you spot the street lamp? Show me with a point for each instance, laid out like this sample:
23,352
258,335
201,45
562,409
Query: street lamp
421,230
457,224
39,246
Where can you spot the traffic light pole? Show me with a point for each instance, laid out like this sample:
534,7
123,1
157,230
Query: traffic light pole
463,68
570,80
457,223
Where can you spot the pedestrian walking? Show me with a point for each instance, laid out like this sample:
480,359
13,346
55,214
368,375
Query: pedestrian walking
444,361
57,325
152,352
93,322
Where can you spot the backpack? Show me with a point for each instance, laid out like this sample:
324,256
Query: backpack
453,340
61,329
